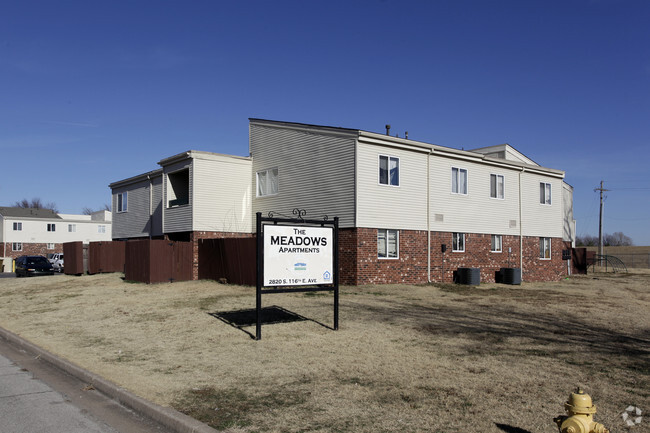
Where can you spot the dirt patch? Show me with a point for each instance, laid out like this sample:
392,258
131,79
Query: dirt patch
406,358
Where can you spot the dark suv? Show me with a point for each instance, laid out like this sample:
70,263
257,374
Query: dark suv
30,266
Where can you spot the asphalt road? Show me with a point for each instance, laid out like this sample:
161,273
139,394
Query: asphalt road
36,397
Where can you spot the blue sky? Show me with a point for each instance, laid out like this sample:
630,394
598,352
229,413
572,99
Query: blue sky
95,91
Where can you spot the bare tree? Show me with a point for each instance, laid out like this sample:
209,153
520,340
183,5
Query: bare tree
609,240
90,211
36,203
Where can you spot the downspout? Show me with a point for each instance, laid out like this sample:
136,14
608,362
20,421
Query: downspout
521,234
428,217
150,205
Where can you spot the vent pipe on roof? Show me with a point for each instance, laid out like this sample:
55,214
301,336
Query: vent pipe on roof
406,135
387,129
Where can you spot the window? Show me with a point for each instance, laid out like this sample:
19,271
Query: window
72,228
17,246
458,242
18,227
544,193
497,188
50,246
51,227
388,170
101,229
122,199
387,244
267,182
544,248
497,244
458,180
178,191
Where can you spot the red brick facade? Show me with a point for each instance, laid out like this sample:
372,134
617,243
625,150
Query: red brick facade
31,249
359,263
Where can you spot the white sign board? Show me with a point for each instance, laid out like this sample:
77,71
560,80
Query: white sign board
298,255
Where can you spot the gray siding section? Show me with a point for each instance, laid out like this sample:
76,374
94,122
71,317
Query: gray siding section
135,222
316,171
177,219
157,206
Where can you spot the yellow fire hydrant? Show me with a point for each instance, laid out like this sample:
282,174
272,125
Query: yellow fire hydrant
580,415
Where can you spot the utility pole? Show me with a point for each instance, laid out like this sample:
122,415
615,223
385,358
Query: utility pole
600,222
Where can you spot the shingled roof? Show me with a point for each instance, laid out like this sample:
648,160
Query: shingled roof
21,212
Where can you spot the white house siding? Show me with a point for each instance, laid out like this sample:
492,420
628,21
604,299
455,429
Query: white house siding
135,222
157,205
315,171
222,194
393,207
540,219
475,212
177,219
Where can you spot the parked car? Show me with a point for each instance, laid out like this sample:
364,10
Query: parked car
57,262
29,266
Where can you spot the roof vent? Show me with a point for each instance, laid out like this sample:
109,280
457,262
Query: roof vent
387,129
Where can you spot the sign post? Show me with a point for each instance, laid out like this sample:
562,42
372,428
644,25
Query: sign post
296,255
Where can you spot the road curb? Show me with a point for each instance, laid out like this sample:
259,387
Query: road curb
166,416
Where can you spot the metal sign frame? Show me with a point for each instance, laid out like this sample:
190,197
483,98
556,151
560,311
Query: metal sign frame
309,287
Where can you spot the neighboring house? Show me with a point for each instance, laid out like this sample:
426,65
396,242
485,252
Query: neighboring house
25,231
398,201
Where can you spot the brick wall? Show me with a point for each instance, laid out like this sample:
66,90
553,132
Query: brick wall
32,249
359,263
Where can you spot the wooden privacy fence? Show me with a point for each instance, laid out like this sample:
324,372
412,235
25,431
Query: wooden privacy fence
106,257
74,258
232,259
158,261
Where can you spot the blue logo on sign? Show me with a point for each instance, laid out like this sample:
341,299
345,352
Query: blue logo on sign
327,276
300,266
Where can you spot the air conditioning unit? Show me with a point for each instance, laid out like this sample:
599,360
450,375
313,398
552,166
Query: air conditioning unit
510,275
469,276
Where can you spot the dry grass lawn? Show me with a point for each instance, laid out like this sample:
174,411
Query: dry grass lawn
430,358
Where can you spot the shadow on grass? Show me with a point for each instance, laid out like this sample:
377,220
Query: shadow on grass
511,429
272,315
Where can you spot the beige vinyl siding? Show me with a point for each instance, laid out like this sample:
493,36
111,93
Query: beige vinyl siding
157,206
222,194
393,207
135,221
540,219
177,219
475,212
315,171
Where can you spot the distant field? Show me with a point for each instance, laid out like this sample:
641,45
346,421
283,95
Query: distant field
429,358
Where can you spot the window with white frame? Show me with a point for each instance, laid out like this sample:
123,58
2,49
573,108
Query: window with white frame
267,182
458,242
387,244
18,227
496,244
388,170
545,193
497,186
458,180
51,227
545,248
50,246
17,246
101,229
122,201
72,228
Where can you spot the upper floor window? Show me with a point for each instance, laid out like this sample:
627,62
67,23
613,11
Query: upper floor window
458,242
544,193
388,170
496,244
387,244
18,226
101,229
122,201
178,192
267,182
497,186
544,248
458,180
72,228
51,227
